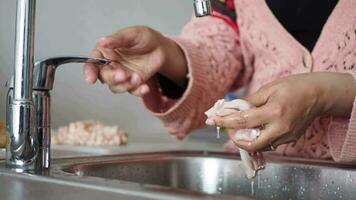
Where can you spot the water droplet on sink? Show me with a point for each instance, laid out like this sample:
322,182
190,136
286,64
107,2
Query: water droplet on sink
332,182
348,175
285,188
218,132
302,190
79,173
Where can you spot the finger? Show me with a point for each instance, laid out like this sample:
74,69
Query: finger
136,79
230,147
113,76
107,75
252,118
180,136
141,90
96,53
114,56
260,97
91,71
120,88
127,87
285,139
121,75
271,147
122,72
111,54
136,91
267,137
123,39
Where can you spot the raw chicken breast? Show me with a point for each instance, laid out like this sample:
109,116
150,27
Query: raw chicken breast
252,162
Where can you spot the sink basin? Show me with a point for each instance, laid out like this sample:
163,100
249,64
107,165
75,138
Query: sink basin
211,173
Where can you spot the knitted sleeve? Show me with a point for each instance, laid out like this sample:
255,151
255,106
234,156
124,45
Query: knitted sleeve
342,135
211,46
342,131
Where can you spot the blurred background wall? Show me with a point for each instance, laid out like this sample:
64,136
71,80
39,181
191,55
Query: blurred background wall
72,27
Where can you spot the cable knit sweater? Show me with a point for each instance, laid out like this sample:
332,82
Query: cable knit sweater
220,59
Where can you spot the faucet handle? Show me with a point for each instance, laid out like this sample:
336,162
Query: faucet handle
44,70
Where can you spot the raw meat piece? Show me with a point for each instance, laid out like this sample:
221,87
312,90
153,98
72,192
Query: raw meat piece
252,162
90,133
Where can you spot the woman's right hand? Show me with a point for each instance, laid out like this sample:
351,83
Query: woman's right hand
138,53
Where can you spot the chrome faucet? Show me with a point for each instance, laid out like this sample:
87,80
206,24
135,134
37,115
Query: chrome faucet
202,8
28,97
31,150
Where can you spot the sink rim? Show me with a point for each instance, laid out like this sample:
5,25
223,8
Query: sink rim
161,192
164,155
156,192
61,164
62,167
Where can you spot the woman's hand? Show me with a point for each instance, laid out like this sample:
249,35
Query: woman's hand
138,53
285,108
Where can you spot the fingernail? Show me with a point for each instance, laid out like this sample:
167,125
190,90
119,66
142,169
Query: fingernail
180,136
119,77
210,122
87,79
102,39
135,79
144,90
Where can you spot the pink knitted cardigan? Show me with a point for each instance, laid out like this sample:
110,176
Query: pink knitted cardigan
219,59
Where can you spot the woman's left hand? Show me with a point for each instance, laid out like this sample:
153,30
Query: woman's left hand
285,108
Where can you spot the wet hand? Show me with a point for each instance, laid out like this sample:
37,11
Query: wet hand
284,110
137,54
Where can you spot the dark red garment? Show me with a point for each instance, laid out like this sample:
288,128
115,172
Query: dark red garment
225,10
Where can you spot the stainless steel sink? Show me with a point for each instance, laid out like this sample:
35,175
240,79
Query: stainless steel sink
218,174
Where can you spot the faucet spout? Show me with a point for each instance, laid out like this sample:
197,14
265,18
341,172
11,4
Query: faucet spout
22,146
